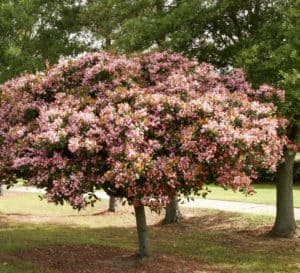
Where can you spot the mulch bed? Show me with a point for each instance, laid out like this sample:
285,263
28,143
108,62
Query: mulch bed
92,259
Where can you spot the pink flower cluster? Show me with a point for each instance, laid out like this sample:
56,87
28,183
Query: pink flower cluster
143,128
235,81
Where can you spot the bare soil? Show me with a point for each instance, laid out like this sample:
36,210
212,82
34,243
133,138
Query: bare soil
89,259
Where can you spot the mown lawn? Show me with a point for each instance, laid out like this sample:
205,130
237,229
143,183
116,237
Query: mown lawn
40,237
265,194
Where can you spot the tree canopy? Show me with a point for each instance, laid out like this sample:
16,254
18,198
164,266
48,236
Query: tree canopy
141,128
274,53
212,31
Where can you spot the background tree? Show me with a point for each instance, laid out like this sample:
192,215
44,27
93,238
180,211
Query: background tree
36,32
211,31
103,18
274,53
173,213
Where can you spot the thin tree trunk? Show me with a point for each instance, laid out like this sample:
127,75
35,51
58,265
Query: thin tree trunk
143,237
285,224
173,214
160,4
1,190
113,204
107,42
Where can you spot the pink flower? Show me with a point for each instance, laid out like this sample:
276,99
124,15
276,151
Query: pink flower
73,144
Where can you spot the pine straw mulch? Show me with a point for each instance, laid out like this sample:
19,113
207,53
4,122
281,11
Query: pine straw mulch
91,259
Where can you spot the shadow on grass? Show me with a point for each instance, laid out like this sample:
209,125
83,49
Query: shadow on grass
215,241
102,212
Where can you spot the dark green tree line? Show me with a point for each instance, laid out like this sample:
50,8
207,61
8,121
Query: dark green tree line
34,32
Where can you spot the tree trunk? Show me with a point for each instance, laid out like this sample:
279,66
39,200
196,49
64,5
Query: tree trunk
1,190
107,42
285,224
143,238
113,204
173,214
159,5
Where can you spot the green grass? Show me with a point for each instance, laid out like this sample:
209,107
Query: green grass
213,250
211,237
30,205
265,194
205,246
297,157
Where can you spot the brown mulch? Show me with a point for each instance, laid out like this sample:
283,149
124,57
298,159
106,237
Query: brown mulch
94,259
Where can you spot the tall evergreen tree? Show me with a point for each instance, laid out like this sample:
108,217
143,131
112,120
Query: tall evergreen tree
104,18
35,32
211,31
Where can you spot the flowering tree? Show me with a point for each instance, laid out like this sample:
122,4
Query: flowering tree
143,128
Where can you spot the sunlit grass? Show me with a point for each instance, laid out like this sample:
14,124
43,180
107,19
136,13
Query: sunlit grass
265,194
30,205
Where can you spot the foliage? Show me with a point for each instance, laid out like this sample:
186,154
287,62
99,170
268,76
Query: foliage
103,18
142,128
211,31
36,32
274,50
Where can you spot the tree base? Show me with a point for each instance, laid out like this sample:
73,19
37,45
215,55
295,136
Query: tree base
2,190
278,232
285,224
172,219
113,204
143,237
173,214
145,259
